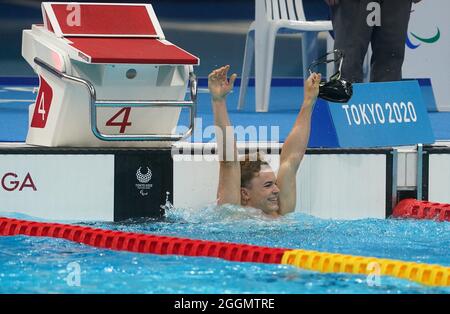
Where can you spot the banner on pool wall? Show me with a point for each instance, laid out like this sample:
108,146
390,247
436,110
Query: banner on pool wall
428,48
378,115
58,187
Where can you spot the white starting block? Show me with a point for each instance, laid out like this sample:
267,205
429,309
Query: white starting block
107,77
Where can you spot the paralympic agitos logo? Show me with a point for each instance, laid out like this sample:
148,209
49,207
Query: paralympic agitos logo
421,39
426,40
10,182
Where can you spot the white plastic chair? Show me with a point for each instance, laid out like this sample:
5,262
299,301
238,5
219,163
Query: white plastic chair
272,16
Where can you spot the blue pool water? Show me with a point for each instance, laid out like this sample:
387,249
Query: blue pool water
43,265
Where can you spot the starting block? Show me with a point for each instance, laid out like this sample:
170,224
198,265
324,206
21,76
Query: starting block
108,77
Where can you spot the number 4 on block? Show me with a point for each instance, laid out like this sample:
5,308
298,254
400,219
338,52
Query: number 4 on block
124,122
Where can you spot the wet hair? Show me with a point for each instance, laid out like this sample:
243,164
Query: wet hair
250,167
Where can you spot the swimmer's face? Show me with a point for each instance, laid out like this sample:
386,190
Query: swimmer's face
263,192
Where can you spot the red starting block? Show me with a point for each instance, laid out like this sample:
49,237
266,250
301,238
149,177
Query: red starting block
107,77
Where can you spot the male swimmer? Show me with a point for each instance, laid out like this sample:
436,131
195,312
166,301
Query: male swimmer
253,183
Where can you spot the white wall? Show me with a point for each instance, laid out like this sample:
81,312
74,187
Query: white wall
68,187
343,186
329,186
407,168
430,60
439,178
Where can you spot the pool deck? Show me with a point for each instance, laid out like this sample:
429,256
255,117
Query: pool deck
284,107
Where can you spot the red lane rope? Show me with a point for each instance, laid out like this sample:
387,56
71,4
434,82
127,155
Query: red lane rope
142,243
411,208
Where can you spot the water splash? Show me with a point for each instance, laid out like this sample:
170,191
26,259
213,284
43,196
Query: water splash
167,207
213,214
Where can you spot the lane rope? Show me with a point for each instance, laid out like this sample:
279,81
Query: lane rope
412,208
427,274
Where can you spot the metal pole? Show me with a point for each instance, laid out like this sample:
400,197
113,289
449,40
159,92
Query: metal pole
419,171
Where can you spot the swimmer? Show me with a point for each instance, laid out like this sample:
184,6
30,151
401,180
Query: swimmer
251,183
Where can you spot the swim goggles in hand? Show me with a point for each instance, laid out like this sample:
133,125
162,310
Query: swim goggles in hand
336,89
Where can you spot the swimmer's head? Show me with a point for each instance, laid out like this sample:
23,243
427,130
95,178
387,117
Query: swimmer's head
258,185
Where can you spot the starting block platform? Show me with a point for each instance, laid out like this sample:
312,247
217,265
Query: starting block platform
107,75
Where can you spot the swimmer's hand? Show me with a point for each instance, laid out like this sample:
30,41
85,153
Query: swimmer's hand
218,84
312,88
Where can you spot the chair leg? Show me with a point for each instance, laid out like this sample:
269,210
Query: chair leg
309,51
246,67
366,65
264,51
330,47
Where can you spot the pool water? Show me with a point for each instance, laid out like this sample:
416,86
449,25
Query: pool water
45,265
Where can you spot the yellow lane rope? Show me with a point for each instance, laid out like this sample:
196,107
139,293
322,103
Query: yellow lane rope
426,274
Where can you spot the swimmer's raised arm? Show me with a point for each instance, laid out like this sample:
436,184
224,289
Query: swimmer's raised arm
294,147
228,191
